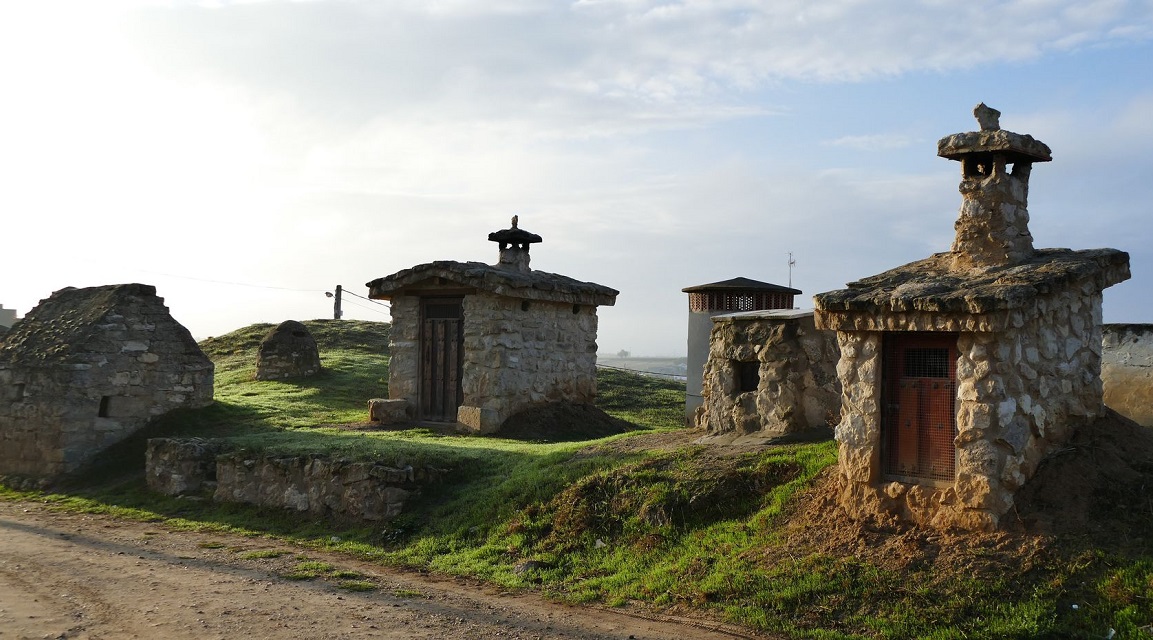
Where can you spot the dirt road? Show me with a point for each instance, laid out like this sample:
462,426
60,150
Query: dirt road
65,575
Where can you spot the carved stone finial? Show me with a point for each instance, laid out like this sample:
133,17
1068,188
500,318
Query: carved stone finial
515,219
988,117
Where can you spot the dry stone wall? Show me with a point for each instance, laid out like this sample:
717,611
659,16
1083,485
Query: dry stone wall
796,386
517,357
317,485
88,368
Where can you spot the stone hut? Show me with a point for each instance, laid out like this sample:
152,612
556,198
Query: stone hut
771,375
287,351
87,368
474,344
709,300
962,371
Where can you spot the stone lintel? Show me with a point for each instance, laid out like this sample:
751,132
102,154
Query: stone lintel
764,314
914,321
1016,147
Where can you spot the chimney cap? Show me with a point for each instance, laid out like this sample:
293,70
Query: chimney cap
517,237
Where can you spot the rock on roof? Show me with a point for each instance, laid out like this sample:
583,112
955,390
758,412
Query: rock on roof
930,284
532,285
65,323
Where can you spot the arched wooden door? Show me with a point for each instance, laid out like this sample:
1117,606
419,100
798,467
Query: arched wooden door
918,417
441,358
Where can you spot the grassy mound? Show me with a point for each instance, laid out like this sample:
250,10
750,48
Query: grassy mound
646,518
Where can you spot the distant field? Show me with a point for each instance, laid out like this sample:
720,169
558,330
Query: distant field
666,367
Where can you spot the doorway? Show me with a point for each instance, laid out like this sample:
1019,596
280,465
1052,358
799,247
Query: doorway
441,358
918,399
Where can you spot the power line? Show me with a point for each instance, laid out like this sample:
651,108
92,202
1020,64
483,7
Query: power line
235,284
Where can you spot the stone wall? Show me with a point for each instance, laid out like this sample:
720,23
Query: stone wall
287,351
796,380
1020,393
516,358
404,350
316,485
111,378
1127,370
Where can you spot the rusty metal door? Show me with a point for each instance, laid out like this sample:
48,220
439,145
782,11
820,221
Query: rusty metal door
918,395
441,347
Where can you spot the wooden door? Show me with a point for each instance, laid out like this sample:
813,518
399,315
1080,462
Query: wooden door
441,348
918,395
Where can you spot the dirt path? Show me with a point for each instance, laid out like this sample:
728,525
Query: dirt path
65,575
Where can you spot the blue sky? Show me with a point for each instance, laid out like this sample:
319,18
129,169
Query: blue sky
245,157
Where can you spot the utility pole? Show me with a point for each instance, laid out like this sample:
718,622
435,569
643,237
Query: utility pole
336,312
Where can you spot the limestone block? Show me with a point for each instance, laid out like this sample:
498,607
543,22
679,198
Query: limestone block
389,411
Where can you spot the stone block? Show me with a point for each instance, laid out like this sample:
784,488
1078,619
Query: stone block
389,411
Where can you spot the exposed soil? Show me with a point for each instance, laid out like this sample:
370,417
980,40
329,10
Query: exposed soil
563,422
1094,494
65,575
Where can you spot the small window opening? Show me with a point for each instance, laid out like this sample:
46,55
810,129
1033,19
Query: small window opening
18,392
103,411
524,305
576,308
748,376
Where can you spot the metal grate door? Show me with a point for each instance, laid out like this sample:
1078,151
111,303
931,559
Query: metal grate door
918,395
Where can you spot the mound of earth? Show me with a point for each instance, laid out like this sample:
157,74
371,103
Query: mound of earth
1094,493
563,422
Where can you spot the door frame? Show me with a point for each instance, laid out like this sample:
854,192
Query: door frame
441,362
924,434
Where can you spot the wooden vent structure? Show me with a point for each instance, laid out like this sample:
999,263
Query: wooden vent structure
739,294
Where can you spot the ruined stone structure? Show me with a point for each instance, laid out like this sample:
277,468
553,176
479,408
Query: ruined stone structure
474,343
1127,370
770,376
87,368
962,371
288,351
317,485
709,300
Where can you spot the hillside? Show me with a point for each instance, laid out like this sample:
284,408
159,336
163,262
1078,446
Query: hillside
643,517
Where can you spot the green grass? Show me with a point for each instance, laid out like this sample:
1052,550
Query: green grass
601,522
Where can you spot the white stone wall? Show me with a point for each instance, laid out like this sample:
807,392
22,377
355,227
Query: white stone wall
1127,370
1020,394
797,386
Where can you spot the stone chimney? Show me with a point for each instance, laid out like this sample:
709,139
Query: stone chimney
514,243
993,225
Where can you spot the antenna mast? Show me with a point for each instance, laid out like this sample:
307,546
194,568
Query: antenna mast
791,264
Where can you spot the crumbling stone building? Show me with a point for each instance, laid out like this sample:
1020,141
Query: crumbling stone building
770,375
474,344
707,301
962,371
87,368
287,351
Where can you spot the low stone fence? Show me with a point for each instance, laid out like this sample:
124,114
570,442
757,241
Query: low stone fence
314,484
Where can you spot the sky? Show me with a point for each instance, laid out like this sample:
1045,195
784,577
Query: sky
247,157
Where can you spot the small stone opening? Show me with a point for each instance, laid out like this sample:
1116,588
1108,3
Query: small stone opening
576,308
748,375
524,305
18,392
102,411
